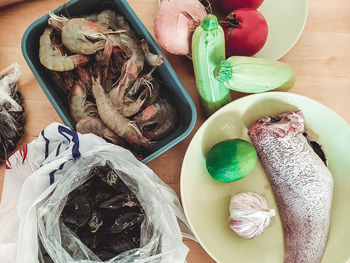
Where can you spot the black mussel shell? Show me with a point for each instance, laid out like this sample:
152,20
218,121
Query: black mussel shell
119,201
126,221
95,221
77,212
134,233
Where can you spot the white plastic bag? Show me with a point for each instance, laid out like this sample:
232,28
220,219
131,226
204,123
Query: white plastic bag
40,176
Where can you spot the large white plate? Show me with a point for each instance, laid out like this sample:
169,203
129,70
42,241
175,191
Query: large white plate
206,201
286,20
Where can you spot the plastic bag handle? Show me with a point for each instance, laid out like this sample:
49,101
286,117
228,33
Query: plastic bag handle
184,225
185,228
64,131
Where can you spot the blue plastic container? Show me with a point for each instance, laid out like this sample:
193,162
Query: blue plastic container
185,105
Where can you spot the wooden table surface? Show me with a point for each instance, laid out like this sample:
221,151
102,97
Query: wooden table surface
321,59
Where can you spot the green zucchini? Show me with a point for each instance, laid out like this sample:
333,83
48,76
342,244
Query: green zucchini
254,75
208,50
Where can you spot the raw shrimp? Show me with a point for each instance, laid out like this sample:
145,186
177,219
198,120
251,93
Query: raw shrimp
108,17
96,126
149,95
80,107
106,70
107,83
92,17
84,78
63,80
52,58
131,107
114,120
57,22
153,89
148,83
157,120
117,93
118,59
76,35
122,24
68,79
102,64
132,67
57,78
136,87
152,59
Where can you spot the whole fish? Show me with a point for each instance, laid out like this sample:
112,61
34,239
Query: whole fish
301,182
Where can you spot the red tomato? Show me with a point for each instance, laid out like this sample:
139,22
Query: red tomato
228,5
245,31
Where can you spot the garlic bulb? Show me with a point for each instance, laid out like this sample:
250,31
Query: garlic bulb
249,214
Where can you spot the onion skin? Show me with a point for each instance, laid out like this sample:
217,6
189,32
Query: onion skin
175,23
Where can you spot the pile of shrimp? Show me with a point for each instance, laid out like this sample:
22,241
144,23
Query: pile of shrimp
106,75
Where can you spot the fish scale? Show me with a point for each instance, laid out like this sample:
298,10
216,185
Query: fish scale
301,182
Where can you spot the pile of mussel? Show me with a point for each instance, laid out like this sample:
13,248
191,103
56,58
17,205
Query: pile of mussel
104,214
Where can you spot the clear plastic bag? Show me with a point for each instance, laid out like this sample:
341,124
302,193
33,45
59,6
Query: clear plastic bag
161,238
11,111
37,185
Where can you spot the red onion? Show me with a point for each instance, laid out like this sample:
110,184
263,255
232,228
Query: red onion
175,23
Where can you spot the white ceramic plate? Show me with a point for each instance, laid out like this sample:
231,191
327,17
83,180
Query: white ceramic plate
286,20
206,201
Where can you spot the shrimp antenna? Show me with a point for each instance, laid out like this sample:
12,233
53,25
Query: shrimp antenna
57,22
60,18
65,6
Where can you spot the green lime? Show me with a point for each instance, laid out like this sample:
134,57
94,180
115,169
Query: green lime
231,160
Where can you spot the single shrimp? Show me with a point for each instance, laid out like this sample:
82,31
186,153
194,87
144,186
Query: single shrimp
152,59
68,79
96,126
123,24
77,34
102,63
80,107
114,120
150,85
63,80
58,79
57,22
52,58
135,88
108,17
131,107
84,78
153,89
148,96
107,83
92,17
157,120
118,59
117,93
132,67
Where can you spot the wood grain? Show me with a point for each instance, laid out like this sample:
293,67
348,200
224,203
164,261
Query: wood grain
321,59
